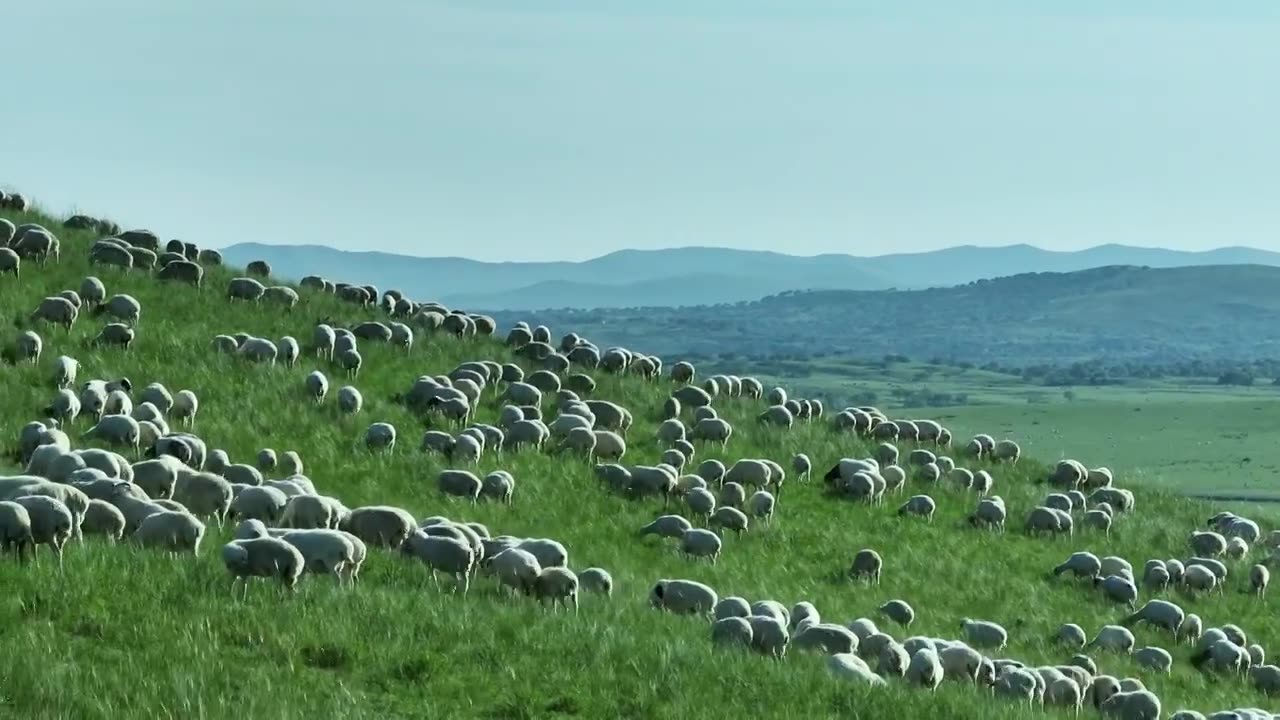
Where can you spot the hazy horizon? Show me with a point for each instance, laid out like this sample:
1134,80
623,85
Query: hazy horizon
565,130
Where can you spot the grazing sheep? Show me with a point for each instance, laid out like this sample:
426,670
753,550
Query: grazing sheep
442,554
921,505
52,523
1071,635
683,597
1113,638
262,557
246,289
15,530
57,310
10,262
1136,705
122,307
925,669
380,436
103,518
1259,579
697,542
867,563
898,611
172,530
1155,658
597,580
1160,613
984,634
560,584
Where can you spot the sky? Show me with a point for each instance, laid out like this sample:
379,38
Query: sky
562,129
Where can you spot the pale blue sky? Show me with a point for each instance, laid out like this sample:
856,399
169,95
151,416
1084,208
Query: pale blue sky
522,130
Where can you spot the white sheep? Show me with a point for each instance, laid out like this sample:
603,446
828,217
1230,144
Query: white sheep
769,635
57,310
380,436
697,542
921,505
103,518
1259,579
560,584
349,400
1160,613
984,634
119,430
514,568
259,503
732,631
1113,638
898,611
498,485
262,557
729,518
459,483
1137,705
171,530
683,596
925,669
667,526
444,554
15,530
1156,658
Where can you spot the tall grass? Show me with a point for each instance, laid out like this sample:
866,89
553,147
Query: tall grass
129,633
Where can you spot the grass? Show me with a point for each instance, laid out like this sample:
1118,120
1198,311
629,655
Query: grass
129,633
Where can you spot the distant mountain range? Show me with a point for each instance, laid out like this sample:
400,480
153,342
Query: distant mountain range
1115,313
698,275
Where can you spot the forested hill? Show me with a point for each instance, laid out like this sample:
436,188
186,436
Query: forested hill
1117,312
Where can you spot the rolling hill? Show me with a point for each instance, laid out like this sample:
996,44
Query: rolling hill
127,631
1118,313
700,275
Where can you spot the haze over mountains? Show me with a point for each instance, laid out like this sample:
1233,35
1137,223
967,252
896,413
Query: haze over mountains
699,275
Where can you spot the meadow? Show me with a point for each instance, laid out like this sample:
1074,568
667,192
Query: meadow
124,632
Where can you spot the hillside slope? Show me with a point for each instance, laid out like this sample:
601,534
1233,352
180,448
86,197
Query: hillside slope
701,275
127,632
1118,313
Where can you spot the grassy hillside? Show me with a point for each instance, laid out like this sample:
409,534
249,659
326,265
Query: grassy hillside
130,633
635,278
1112,313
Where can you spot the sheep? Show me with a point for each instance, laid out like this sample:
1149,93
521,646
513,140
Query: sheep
380,436
560,584
204,494
1160,613
1266,678
1259,579
1155,658
921,505
349,400
827,637
989,513
867,563
712,430
597,580
1043,519
1199,577
667,526
120,430
103,518
56,310
762,503
259,503
459,483
16,530
898,611
1136,705
961,662
697,542
10,262
262,557
446,554
1071,635
1114,638
925,669
1207,544
122,307
984,634
514,568
682,597
732,631
729,518
769,635
171,530
1118,589
246,289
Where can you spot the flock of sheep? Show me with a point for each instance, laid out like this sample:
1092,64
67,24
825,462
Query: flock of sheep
156,483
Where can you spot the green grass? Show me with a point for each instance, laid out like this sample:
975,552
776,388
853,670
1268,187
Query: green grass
127,633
